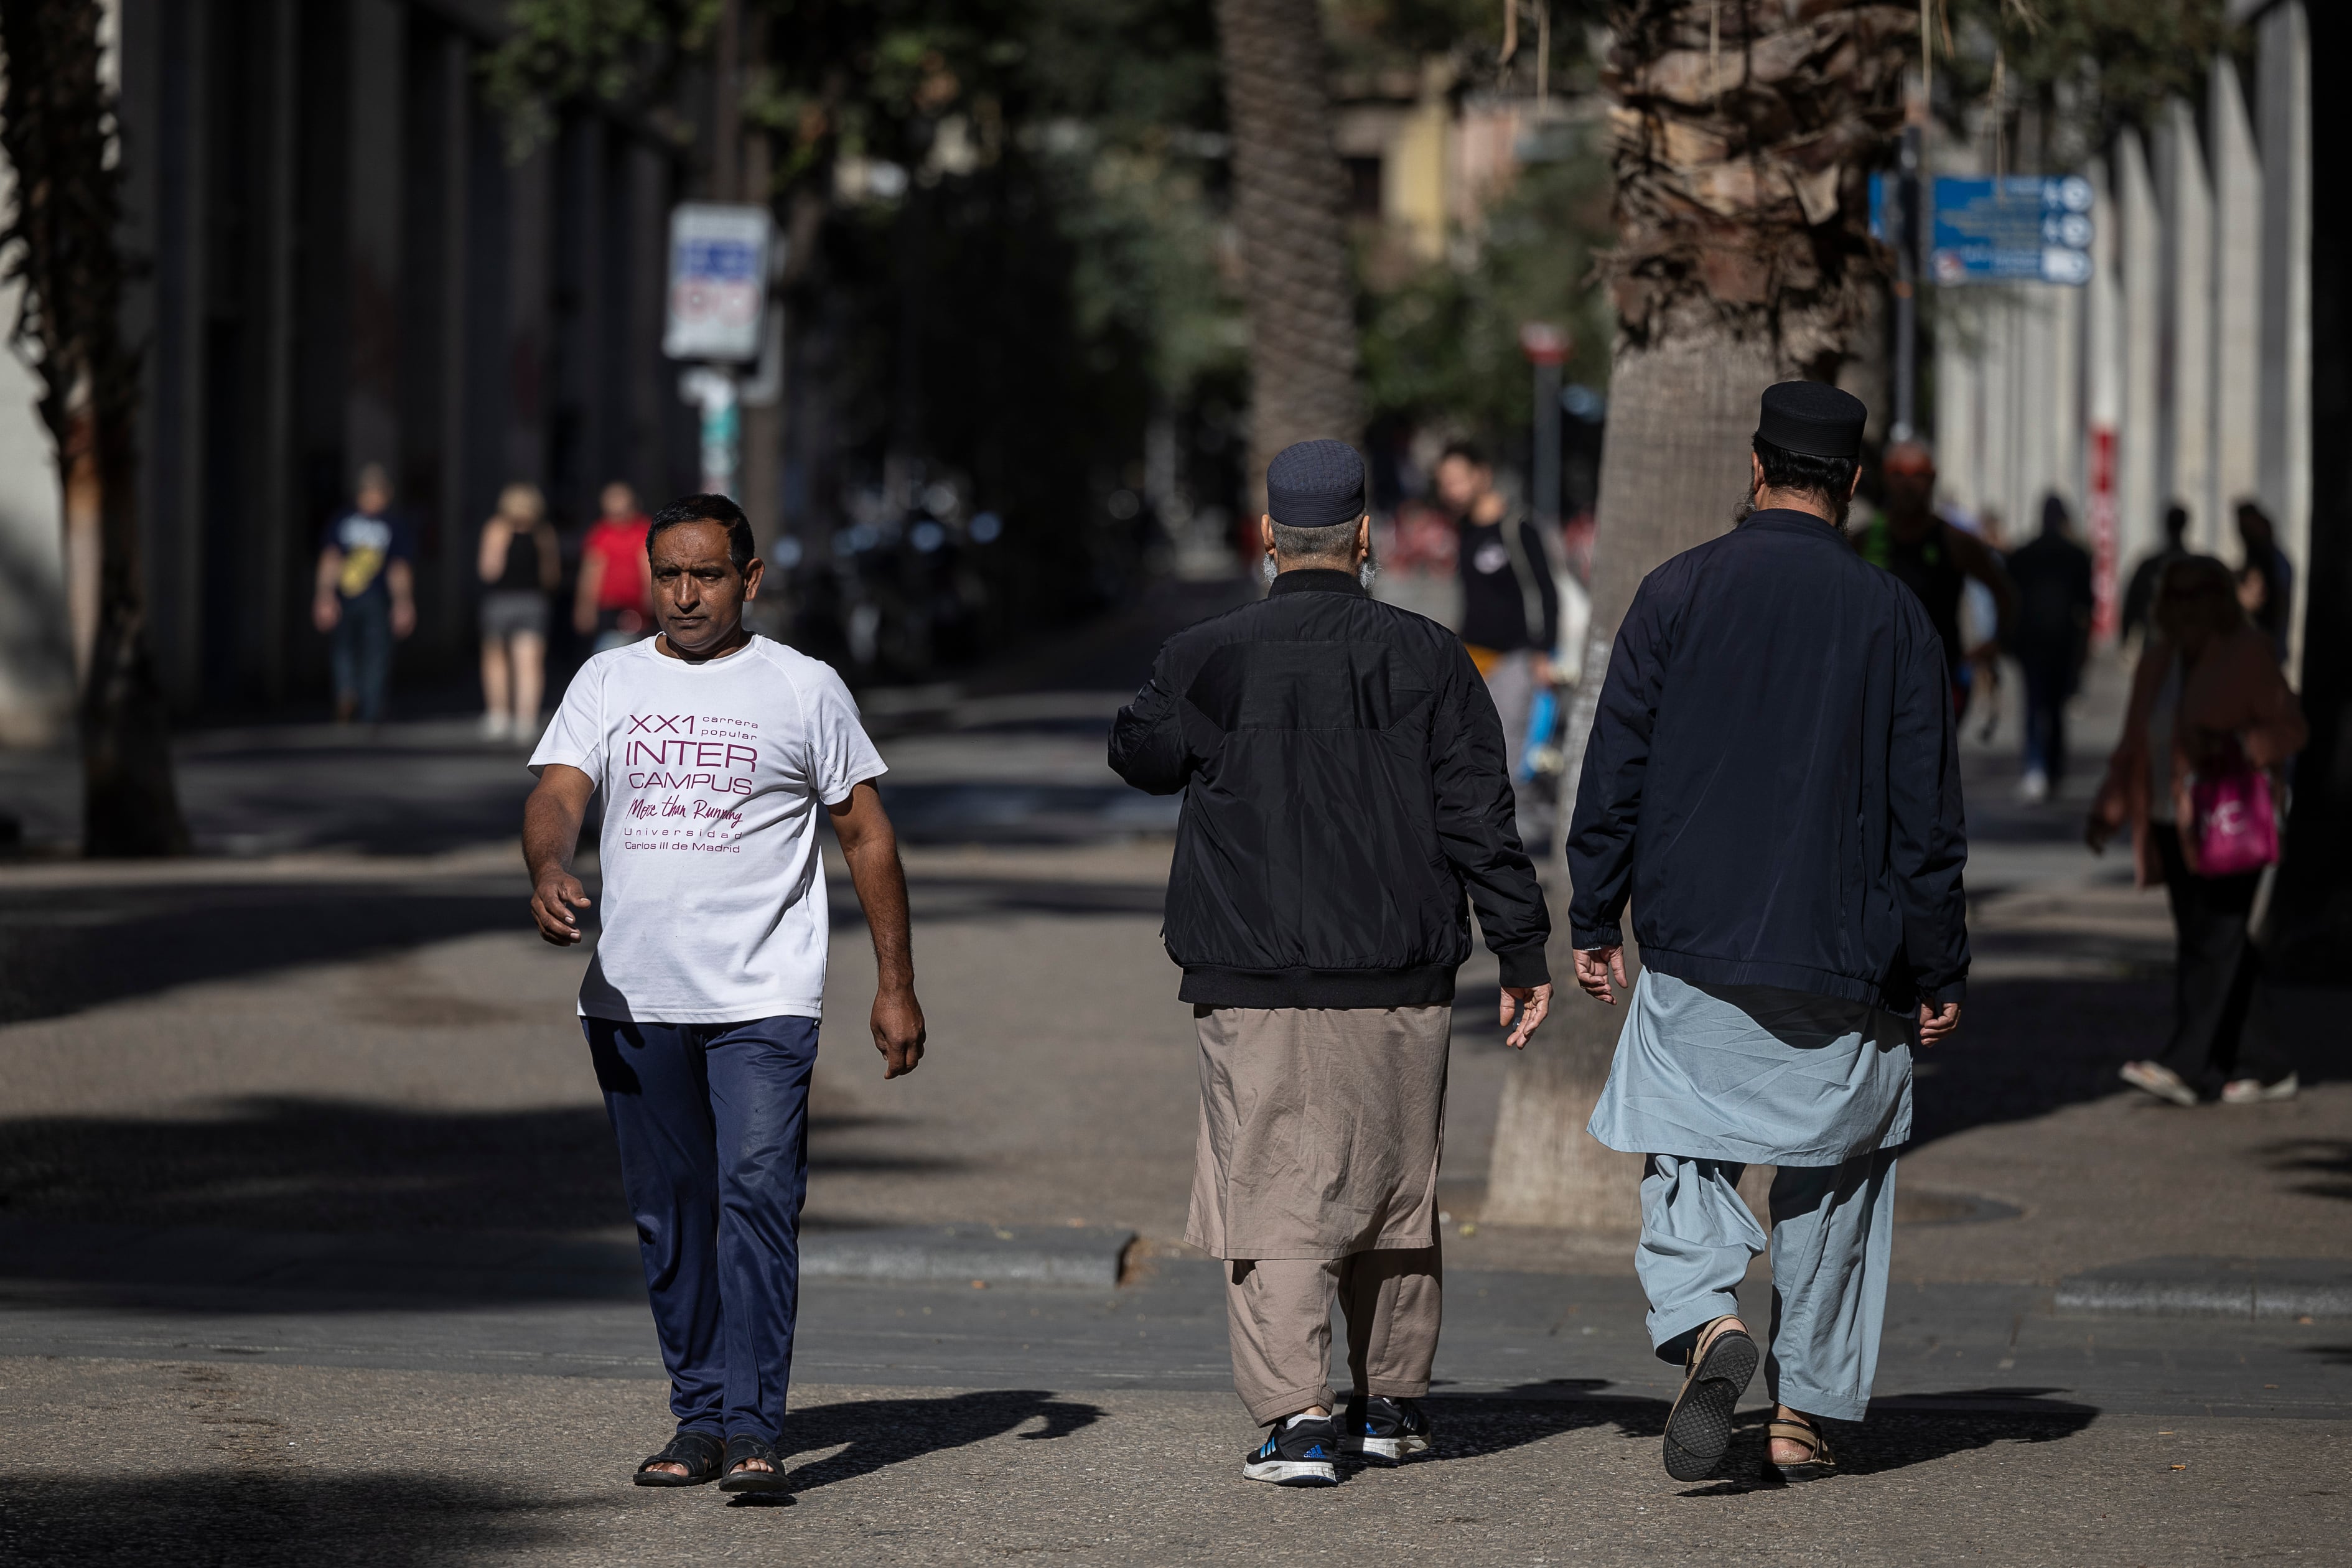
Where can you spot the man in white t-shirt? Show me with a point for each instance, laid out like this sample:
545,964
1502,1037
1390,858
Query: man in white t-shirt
717,751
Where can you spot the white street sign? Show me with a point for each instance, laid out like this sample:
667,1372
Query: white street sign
717,282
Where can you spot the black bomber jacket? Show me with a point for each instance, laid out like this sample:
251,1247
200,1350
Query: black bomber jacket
1344,781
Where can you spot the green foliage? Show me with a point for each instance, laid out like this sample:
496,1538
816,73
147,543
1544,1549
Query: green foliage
1444,345
2097,64
611,50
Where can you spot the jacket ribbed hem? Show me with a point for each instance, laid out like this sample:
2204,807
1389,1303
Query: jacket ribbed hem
1432,985
1524,966
1699,968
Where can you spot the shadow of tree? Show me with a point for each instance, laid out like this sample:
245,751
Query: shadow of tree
880,1433
257,1519
2329,1159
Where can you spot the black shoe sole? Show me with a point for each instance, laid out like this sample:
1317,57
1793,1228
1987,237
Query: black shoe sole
1699,1429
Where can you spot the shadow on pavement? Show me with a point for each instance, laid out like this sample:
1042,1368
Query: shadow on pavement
300,1164
2327,1159
251,1516
880,1433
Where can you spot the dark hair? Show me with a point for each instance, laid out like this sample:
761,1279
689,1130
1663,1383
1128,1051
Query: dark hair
708,508
2196,588
2175,521
1831,478
1469,452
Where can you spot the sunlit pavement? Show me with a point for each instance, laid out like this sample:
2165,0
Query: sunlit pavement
312,1248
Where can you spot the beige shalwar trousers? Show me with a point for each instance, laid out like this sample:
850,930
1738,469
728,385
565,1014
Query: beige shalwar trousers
1315,1179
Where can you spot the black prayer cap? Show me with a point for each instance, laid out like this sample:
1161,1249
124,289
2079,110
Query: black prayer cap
1315,484
1813,418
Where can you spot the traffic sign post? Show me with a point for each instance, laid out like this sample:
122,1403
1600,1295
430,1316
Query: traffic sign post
718,306
1547,348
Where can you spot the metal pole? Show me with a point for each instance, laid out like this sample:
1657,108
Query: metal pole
1906,288
1546,506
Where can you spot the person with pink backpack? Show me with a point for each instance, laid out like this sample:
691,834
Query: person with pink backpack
2197,776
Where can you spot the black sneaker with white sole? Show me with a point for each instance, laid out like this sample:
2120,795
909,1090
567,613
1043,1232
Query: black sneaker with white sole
1296,1454
1389,1429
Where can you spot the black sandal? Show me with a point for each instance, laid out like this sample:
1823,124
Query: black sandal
740,1449
1698,1428
1796,1427
699,1452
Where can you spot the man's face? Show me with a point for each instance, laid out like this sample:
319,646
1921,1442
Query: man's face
1910,475
372,499
1460,482
698,595
619,500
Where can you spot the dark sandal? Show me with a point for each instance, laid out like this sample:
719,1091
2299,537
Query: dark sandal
740,1449
698,1451
1818,1461
1698,1428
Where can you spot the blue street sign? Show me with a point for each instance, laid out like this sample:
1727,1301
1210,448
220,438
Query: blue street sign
2024,228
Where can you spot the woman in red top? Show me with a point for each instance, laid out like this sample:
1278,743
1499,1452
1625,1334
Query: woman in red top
616,602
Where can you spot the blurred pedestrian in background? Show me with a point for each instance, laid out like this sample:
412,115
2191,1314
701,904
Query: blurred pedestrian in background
364,595
2209,706
1510,606
2139,597
2050,638
521,563
2266,580
1931,556
1772,783
614,603
1981,631
1345,787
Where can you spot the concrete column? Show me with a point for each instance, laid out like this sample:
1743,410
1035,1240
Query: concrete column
282,537
453,64
2138,503
2237,300
379,39
1959,405
522,449
2185,423
2283,89
1997,457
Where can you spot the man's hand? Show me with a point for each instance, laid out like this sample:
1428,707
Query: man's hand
403,618
1593,970
1938,1024
898,1030
325,611
552,901
1532,1004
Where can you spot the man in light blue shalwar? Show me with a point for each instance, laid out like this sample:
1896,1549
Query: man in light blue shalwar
1771,782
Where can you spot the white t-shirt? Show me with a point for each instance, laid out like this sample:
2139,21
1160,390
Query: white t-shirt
714,907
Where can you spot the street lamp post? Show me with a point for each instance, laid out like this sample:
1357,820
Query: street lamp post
1546,347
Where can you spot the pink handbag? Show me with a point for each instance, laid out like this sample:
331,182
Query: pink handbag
2235,829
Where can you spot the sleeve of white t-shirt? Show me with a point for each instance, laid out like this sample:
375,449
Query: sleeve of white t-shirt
841,756
575,737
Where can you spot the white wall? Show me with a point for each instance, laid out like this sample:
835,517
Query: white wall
36,653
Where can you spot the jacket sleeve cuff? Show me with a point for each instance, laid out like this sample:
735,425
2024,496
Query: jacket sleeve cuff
1950,991
1524,966
1587,937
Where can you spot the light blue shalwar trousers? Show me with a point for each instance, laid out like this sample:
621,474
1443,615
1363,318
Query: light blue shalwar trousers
1709,1079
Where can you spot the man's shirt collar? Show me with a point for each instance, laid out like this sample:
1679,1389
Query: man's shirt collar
1316,580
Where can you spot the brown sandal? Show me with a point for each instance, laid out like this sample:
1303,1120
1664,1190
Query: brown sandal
1818,1461
1698,1428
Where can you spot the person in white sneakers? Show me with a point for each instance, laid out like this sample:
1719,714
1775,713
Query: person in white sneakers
718,751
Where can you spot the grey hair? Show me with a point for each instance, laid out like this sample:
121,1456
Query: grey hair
1336,543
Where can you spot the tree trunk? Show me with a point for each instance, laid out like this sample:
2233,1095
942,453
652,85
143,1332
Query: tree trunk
55,125
1287,206
1744,134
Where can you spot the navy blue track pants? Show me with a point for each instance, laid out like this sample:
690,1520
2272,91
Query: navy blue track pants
712,1122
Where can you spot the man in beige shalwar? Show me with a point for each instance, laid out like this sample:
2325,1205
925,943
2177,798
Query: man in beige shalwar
1346,785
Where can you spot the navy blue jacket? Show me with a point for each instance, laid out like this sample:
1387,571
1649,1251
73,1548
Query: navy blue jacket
1771,776
1345,784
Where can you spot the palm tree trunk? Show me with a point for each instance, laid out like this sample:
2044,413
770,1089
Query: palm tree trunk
1744,133
1287,205
53,126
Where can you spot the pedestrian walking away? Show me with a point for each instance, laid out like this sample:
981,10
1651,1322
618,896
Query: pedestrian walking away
2266,581
1933,557
1510,604
717,751
1344,786
1797,939
612,602
519,563
364,595
2209,711
2139,594
2050,639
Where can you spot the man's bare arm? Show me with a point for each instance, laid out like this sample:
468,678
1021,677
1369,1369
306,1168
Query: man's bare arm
1976,558
551,832
871,847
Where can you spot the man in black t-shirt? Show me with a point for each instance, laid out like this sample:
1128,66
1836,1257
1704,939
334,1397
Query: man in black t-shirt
364,597
1510,606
